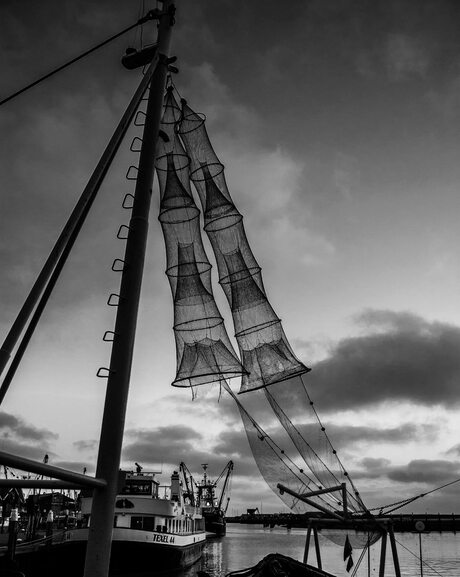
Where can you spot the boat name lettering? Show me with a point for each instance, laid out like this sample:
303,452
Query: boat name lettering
163,538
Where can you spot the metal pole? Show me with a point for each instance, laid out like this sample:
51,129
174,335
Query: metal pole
394,551
368,554
79,212
100,532
344,500
307,545
48,470
421,556
42,484
282,489
383,552
317,549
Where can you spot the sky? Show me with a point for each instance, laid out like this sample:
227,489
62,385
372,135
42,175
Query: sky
338,124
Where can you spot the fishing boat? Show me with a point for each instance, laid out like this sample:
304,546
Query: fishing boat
212,504
206,496
152,533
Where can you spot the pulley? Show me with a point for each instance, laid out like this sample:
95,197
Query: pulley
136,58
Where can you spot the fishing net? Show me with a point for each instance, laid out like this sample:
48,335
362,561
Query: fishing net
204,353
265,352
297,414
264,349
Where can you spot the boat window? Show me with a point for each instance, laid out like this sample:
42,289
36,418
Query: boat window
138,488
149,523
136,522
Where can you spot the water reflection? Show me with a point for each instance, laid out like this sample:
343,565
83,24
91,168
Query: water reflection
244,546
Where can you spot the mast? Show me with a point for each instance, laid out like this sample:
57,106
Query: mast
50,272
100,532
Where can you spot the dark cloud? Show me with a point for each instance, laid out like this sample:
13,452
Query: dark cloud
169,444
19,438
402,357
343,436
89,445
433,473
12,425
455,450
426,471
24,449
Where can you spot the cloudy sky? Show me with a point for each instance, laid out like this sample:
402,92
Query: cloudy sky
338,123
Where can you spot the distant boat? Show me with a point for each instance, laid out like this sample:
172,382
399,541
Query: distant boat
212,507
151,534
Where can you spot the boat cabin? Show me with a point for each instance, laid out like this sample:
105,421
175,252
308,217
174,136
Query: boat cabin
139,484
139,506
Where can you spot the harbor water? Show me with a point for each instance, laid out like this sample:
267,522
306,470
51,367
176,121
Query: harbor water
245,545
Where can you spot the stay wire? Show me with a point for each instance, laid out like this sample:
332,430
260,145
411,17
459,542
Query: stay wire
356,496
275,448
418,558
73,60
404,502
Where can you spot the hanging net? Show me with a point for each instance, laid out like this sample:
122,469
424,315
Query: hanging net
264,349
204,353
274,375
274,464
295,411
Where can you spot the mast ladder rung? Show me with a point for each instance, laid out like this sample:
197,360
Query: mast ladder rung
125,204
140,115
129,175
114,300
132,148
109,336
116,267
103,373
120,233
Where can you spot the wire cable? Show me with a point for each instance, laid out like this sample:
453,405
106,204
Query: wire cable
149,16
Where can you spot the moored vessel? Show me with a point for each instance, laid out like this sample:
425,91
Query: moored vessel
152,533
212,506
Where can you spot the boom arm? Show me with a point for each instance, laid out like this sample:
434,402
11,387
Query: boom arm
229,469
188,478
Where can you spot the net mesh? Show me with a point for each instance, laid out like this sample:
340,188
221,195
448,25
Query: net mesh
318,452
285,410
264,349
204,352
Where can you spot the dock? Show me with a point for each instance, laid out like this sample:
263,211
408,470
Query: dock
402,523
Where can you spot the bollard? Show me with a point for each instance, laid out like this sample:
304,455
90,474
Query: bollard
49,525
13,534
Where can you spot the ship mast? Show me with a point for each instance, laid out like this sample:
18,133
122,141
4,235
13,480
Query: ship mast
100,533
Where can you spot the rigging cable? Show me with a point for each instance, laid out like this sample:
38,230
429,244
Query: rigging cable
151,15
334,452
410,499
418,558
276,450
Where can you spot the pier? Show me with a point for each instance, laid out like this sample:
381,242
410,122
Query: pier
402,523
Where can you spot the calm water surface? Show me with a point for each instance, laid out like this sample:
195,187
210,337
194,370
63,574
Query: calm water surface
246,545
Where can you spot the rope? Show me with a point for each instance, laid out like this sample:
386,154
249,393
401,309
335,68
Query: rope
418,558
274,447
356,495
149,16
398,504
321,482
361,557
